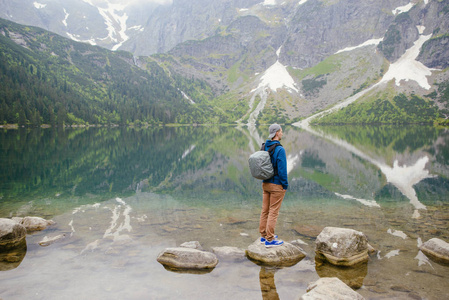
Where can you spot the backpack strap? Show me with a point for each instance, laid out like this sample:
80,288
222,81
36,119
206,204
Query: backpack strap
272,148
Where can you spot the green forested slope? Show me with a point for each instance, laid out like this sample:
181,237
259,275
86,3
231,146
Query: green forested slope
399,109
47,79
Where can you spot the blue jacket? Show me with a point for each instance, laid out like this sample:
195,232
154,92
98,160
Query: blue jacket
279,160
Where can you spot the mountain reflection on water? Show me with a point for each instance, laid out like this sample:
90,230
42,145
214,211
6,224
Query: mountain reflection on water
404,177
123,194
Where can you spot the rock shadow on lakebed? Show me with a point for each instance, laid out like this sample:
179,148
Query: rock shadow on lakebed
13,257
188,271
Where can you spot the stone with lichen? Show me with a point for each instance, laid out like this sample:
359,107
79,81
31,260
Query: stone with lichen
342,246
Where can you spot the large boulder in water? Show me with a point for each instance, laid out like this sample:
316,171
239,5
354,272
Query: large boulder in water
342,246
12,234
284,255
34,223
437,250
183,258
330,288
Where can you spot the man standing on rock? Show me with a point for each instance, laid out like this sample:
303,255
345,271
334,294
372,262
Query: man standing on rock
273,189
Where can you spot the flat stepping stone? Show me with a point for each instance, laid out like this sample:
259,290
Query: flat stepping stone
182,258
284,255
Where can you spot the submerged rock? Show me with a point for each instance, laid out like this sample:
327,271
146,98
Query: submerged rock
285,255
12,234
330,288
308,230
232,221
180,258
436,249
34,223
229,253
46,241
193,245
342,246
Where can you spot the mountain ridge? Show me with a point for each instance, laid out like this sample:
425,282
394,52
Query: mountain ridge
48,79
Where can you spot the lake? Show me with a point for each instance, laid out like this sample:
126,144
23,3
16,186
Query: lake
123,195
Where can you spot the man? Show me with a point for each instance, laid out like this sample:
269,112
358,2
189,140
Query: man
273,189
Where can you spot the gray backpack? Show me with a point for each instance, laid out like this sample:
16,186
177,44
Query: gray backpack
260,163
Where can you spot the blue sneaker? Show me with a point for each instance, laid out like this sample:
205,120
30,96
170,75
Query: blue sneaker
263,240
273,243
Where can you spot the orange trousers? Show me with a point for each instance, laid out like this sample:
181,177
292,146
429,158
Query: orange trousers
273,194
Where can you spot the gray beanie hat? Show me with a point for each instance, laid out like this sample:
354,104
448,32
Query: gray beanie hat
273,129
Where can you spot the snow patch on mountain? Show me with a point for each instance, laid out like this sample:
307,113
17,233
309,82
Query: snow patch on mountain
115,19
77,38
276,77
302,2
405,68
402,9
137,28
421,29
66,16
161,2
39,5
269,2
367,43
408,68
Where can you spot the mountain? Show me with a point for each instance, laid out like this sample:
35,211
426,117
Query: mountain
97,22
143,27
260,62
47,79
292,60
